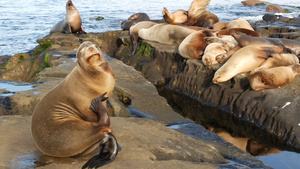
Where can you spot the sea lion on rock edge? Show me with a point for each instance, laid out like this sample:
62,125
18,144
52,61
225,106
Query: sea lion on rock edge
134,19
72,22
166,33
279,59
244,60
239,23
134,33
275,77
245,40
70,120
176,17
193,46
199,16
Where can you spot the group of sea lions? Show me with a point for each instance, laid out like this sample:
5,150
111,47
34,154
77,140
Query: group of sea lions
235,45
71,120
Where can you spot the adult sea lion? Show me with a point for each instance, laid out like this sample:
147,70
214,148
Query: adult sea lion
275,77
239,23
244,60
166,33
245,40
194,44
279,59
134,33
72,22
70,120
176,17
199,16
134,19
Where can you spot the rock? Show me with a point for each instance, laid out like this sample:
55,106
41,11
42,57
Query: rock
144,142
235,97
275,8
253,2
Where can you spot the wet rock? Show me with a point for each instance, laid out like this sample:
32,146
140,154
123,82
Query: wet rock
235,97
253,3
275,8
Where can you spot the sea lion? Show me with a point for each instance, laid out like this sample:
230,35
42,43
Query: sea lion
220,25
134,33
239,23
244,60
275,77
199,16
245,40
165,33
279,59
214,49
72,22
194,44
243,30
134,19
70,120
176,17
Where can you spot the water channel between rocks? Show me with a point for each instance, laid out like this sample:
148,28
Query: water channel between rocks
212,118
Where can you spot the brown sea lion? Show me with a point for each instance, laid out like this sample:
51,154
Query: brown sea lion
193,46
268,78
134,19
70,120
279,59
214,49
245,40
243,30
199,16
244,60
72,22
166,33
176,17
239,23
220,25
134,33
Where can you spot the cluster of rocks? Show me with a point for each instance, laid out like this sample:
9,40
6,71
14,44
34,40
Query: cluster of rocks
270,8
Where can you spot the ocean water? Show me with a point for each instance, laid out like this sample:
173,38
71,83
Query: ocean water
24,21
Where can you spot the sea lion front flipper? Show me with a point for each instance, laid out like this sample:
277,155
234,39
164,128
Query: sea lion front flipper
98,108
109,149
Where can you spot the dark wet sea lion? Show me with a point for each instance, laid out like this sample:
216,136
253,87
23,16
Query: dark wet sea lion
134,19
70,120
72,22
245,40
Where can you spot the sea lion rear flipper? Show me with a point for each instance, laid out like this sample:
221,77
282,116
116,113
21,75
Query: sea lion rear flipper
109,149
98,108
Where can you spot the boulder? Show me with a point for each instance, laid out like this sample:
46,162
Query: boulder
253,3
275,8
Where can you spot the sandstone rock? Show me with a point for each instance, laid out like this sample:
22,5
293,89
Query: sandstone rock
275,8
253,2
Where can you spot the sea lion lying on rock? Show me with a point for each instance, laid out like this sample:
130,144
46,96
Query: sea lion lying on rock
176,17
134,19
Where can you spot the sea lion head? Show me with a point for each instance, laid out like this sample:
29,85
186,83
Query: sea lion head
90,58
69,4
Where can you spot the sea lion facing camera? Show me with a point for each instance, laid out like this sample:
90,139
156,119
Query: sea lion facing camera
70,120
72,22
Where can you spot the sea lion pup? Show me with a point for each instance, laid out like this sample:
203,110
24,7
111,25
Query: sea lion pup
176,17
134,33
245,40
275,77
214,49
239,23
70,120
199,16
244,60
134,19
72,22
166,33
194,44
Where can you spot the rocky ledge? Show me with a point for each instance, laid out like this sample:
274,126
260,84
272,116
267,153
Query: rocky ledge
145,137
